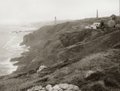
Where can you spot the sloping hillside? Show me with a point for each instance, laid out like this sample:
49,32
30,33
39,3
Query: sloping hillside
69,52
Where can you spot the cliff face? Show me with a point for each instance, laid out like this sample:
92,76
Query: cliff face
69,52
51,45
47,44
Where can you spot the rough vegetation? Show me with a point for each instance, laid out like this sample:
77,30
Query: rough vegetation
87,58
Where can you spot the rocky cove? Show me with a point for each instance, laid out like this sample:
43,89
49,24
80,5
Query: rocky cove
10,47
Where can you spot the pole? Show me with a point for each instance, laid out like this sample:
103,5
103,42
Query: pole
119,7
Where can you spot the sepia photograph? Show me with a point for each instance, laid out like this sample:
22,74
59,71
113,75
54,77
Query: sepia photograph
59,45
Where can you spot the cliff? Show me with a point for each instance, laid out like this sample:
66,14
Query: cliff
69,52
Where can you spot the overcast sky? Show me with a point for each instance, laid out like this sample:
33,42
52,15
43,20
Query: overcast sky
24,11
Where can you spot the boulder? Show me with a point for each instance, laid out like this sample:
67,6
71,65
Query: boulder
36,88
49,87
57,88
64,86
88,73
41,68
73,88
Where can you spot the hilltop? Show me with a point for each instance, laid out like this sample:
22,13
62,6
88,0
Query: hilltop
69,52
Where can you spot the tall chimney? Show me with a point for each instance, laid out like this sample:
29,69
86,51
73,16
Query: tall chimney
97,14
55,20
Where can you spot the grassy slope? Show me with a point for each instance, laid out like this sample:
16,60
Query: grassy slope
68,51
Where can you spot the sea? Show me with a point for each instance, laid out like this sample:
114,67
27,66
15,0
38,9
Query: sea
10,38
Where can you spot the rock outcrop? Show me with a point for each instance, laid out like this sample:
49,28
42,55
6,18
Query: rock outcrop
58,87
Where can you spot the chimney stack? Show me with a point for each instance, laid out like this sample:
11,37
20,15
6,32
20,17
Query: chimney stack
55,20
97,14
